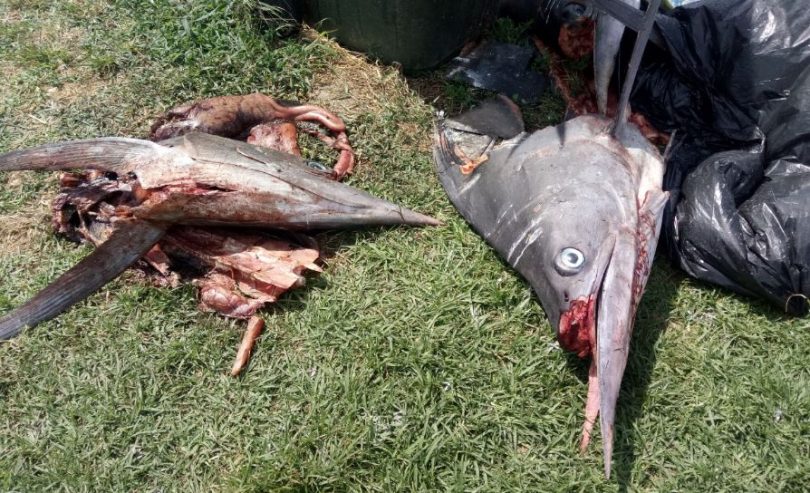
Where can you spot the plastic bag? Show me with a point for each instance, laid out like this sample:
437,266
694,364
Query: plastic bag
735,86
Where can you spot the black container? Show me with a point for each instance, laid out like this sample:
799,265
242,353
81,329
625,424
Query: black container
284,16
417,34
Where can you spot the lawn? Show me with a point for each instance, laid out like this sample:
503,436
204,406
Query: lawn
417,362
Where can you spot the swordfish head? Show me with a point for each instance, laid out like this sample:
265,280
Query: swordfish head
576,211
197,179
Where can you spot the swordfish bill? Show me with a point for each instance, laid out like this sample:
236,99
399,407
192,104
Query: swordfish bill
576,210
197,179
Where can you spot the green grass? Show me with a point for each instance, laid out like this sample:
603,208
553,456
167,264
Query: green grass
416,362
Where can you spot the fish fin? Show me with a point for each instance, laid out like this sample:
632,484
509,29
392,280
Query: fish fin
609,33
496,117
635,61
116,154
124,247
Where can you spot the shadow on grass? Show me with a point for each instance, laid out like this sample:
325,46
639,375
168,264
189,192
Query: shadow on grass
651,322
449,96
653,317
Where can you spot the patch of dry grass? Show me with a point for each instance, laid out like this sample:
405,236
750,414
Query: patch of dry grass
353,85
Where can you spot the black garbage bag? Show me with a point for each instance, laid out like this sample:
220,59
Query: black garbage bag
734,84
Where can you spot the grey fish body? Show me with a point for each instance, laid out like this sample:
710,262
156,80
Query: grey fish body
203,179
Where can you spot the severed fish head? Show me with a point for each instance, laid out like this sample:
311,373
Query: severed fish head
576,211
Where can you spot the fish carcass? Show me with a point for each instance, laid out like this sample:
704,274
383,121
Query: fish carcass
160,189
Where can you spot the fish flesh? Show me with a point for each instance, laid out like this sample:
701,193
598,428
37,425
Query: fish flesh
258,119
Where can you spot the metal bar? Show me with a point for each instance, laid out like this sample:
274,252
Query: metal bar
635,59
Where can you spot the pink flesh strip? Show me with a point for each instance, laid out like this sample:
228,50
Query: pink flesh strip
591,407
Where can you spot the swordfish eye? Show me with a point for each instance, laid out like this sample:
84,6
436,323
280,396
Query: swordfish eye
569,261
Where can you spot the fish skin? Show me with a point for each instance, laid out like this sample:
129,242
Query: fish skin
130,241
196,179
